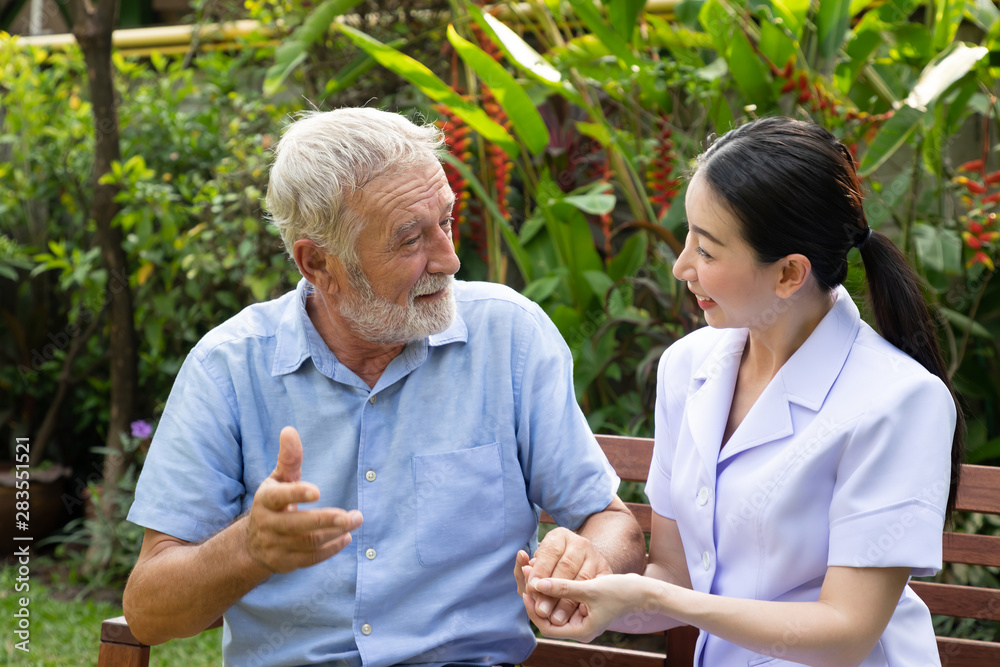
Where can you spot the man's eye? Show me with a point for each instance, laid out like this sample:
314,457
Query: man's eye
412,241
447,223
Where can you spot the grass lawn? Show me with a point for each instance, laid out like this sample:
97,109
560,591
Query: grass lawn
66,630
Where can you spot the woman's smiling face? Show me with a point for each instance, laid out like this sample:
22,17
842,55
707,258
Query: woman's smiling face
720,268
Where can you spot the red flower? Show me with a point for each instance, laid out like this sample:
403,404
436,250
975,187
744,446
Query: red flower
972,165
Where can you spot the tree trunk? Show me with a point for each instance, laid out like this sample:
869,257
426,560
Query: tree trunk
93,23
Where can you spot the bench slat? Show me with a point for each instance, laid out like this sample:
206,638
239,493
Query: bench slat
116,630
630,457
977,490
961,601
556,653
967,652
972,549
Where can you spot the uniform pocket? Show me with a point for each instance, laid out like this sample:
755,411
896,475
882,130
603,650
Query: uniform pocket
460,504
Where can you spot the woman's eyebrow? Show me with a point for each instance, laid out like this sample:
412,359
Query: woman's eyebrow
701,232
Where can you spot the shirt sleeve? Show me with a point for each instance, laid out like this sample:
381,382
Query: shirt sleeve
565,470
191,482
658,480
892,481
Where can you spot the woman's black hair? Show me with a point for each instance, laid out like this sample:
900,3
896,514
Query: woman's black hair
795,189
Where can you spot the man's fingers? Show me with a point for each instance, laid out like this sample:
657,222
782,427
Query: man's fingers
289,467
277,497
561,588
327,523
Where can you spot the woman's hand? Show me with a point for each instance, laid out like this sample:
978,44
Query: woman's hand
602,600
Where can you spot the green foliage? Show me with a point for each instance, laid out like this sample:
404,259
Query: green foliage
66,629
195,153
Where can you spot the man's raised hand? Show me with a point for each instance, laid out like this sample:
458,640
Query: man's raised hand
280,537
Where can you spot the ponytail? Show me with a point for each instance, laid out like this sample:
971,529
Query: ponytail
903,319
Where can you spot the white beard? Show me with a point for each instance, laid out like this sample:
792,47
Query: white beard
379,320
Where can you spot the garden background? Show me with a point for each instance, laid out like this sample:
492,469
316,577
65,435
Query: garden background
131,187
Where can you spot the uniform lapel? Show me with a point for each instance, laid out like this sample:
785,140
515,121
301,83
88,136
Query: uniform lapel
805,379
711,395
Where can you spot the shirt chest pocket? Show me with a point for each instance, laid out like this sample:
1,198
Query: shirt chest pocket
460,504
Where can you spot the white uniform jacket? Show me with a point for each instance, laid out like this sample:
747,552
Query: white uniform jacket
843,461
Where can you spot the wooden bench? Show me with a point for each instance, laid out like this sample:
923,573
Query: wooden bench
979,491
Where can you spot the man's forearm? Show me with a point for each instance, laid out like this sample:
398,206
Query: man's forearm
179,589
616,535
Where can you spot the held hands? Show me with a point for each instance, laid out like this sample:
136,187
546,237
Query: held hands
564,555
601,601
280,537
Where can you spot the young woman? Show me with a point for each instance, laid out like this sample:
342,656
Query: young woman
804,465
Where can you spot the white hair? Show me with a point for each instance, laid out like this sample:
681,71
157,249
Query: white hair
325,158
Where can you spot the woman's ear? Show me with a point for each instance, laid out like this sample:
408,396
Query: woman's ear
317,266
795,270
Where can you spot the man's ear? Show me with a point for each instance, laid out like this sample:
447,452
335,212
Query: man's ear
317,266
795,270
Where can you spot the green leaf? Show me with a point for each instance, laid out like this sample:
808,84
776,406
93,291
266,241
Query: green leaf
429,84
600,283
949,66
831,26
596,131
595,201
793,14
859,50
983,13
630,258
352,71
295,48
775,44
598,25
721,115
521,111
963,323
624,14
947,17
890,137
521,54
958,108
541,289
744,64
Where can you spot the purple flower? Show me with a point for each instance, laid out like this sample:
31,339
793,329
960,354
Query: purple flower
141,429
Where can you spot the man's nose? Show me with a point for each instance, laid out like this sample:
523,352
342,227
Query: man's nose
443,258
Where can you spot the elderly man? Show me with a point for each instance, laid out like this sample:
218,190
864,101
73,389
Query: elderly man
349,472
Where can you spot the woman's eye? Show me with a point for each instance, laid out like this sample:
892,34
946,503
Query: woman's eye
701,251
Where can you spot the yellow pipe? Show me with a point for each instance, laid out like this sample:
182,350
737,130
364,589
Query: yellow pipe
177,38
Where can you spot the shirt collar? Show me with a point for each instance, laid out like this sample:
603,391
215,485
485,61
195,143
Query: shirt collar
297,339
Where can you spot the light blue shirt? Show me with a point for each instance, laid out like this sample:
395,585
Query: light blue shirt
465,435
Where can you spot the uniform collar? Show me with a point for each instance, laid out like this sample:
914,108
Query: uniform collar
805,379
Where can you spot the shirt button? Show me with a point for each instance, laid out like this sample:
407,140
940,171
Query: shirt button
366,629
703,495
706,560
370,554
372,399
370,475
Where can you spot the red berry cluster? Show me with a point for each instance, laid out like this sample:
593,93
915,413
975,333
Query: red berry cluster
816,99
980,235
456,138
660,168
